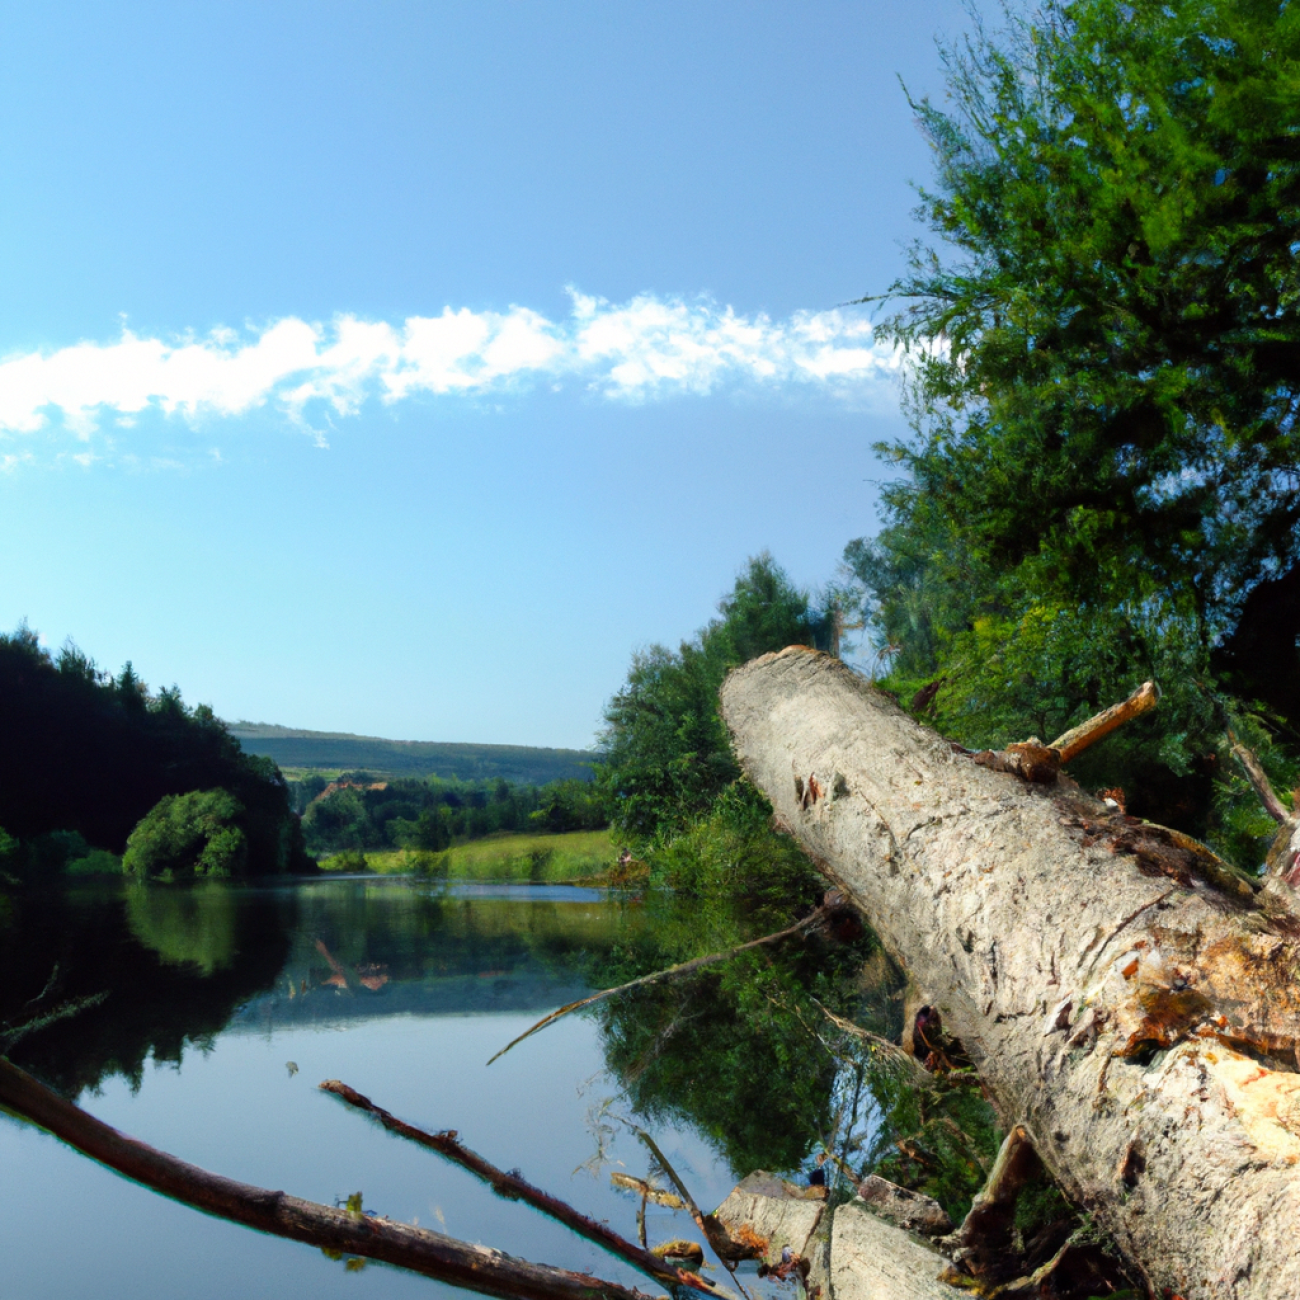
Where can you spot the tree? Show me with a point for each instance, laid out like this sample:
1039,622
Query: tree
667,757
1105,388
189,834
82,752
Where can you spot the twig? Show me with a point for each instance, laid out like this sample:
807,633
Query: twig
512,1186
477,1268
891,1050
1077,739
715,1234
683,968
11,1035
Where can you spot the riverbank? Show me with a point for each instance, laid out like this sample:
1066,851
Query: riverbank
566,858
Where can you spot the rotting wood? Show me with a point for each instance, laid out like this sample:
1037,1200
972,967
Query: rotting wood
476,1268
515,1187
670,972
983,1242
1135,1013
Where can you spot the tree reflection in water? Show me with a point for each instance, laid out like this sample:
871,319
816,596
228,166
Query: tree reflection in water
736,1052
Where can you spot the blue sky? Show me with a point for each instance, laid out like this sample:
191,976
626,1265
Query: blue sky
401,368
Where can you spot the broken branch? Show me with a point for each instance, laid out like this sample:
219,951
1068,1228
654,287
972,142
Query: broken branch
477,1268
1077,739
682,968
1258,779
513,1186
891,1050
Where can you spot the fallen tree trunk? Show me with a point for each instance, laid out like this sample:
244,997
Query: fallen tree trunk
1129,1008
477,1268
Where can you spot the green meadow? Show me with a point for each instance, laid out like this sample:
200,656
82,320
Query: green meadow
523,859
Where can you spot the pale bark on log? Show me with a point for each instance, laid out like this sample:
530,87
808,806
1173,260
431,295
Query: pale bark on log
478,1268
1137,1020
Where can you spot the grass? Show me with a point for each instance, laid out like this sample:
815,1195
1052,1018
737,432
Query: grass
522,859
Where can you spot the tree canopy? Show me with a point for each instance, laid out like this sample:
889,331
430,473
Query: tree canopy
87,753
667,757
1105,462
189,834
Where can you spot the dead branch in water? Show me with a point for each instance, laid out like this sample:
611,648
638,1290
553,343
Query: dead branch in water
715,1232
682,968
514,1187
477,1268
891,1050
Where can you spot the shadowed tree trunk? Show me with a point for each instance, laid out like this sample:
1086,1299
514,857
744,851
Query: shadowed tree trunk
1126,1000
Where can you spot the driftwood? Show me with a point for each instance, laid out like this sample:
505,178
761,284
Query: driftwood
715,1232
1132,1010
514,1187
670,972
477,1268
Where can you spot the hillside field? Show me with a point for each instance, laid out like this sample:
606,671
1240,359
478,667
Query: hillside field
334,752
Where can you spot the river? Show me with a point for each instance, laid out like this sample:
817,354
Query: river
227,1004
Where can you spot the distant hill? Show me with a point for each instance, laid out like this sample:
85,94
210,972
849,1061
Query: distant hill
331,750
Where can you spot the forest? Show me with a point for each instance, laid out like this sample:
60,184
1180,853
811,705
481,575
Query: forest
88,758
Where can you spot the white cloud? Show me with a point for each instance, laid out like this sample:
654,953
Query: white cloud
647,349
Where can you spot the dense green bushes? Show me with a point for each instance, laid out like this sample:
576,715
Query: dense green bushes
196,833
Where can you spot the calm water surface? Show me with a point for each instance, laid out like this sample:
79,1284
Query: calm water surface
228,1005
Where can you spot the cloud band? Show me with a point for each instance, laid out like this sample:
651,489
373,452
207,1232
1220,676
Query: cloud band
646,349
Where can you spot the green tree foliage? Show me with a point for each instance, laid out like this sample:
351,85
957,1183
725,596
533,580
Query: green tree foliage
1105,389
667,756
195,834
361,813
87,754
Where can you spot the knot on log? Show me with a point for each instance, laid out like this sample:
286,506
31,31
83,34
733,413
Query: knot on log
1029,760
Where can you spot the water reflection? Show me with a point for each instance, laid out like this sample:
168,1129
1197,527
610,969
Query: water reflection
227,1004
180,963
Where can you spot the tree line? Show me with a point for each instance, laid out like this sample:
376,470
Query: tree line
357,812
87,757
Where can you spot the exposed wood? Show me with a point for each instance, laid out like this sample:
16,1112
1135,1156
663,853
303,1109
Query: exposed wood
647,1191
515,1187
1079,738
865,1258
983,1241
1123,1001
477,1268
671,972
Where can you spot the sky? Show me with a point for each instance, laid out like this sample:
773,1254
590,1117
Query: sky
402,368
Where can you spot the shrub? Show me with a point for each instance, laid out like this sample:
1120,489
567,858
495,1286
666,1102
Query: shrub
189,834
